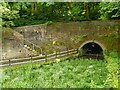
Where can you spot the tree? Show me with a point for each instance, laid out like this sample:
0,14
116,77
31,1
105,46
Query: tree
91,10
8,15
109,10
27,13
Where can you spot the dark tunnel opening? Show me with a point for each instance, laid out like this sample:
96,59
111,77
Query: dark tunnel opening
92,50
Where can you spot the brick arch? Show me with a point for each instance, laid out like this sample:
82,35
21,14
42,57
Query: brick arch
93,41
92,49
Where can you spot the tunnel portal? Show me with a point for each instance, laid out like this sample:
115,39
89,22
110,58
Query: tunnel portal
92,50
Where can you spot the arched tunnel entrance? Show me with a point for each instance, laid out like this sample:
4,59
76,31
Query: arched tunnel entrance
92,50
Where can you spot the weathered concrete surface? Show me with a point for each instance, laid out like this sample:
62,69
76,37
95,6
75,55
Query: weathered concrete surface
13,45
61,36
74,33
104,32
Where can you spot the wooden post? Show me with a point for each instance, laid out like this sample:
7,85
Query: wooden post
31,58
9,62
68,52
56,54
78,50
45,57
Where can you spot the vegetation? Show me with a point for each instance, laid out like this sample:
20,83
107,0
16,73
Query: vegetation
72,72
69,73
28,13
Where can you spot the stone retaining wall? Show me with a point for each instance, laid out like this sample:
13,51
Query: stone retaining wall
62,36
73,33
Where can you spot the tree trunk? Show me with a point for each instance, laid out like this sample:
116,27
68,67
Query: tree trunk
87,10
33,10
36,8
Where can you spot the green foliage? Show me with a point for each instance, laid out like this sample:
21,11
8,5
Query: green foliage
8,15
109,10
112,67
25,21
7,33
70,73
28,13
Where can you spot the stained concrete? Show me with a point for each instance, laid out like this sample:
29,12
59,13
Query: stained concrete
62,36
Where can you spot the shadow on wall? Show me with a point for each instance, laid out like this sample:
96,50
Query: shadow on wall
92,49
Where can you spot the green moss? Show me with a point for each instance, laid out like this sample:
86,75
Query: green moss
84,36
7,33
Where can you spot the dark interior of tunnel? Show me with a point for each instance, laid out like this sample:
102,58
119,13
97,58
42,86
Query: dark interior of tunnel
92,50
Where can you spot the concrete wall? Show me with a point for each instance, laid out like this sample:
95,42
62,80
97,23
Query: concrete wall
104,32
74,33
61,36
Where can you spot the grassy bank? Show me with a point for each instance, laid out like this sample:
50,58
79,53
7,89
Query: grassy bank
68,73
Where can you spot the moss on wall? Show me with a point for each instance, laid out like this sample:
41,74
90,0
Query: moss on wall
73,34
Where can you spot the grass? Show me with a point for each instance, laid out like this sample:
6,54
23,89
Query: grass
68,73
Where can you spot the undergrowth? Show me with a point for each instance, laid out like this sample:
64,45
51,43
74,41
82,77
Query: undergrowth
69,73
